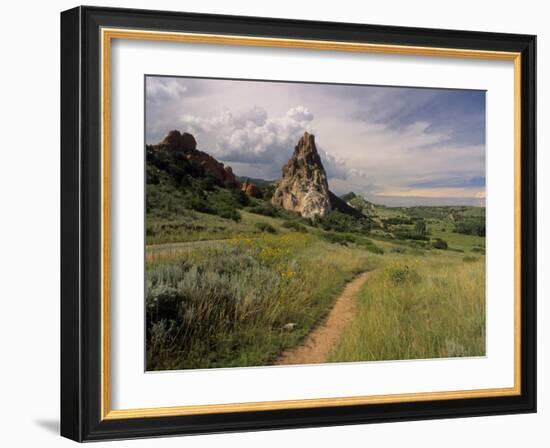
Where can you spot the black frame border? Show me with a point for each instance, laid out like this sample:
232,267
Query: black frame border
81,223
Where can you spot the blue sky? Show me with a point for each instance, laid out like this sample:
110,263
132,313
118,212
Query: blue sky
394,145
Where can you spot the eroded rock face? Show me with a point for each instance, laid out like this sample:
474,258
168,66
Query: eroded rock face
186,145
303,187
250,189
177,141
213,167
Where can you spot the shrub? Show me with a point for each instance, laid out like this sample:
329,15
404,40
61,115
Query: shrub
265,209
346,238
369,245
265,227
338,238
227,198
164,200
268,191
401,273
438,243
471,226
224,305
191,303
198,204
172,164
420,227
229,214
296,226
469,259
152,175
241,198
397,221
408,234
341,222
224,203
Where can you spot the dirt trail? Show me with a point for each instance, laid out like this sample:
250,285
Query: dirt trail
320,341
170,250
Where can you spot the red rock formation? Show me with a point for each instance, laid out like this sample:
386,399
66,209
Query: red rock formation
187,145
213,167
250,189
177,141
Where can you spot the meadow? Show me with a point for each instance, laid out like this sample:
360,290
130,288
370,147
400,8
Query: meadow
244,301
234,281
418,307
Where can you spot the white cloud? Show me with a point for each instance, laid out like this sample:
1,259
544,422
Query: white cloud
250,136
335,167
160,90
254,127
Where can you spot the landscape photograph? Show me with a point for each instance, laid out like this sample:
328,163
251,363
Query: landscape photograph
294,223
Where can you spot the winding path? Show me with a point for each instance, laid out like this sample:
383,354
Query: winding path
320,341
182,246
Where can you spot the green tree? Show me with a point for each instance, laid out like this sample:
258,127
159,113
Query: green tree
420,227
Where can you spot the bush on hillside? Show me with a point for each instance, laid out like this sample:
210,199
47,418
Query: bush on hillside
265,209
401,273
338,238
340,222
294,225
439,243
471,227
409,234
265,227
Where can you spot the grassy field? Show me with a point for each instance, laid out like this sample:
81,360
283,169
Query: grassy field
234,281
229,306
419,307
457,240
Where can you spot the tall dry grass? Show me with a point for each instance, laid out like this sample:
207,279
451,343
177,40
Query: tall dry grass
429,307
228,306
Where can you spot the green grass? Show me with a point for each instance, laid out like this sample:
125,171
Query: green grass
294,225
191,225
414,307
265,227
456,240
226,306
347,238
230,272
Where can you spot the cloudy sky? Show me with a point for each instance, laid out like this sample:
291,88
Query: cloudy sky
394,145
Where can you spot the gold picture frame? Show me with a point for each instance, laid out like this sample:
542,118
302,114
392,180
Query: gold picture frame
106,33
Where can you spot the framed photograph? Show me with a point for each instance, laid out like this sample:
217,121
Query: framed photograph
273,223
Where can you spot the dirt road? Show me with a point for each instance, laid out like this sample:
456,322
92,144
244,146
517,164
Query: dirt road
185,245
318,344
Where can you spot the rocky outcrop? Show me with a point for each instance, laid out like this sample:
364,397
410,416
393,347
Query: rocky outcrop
213,167
179,142
303,187
359,203
250,189
186,145
342,206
